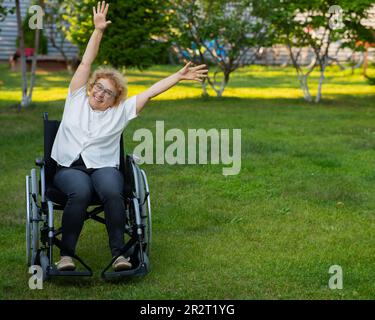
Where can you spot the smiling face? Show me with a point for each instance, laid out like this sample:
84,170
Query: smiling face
106,88
102,95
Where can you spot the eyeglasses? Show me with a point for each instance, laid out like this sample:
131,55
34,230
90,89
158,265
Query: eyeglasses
107,93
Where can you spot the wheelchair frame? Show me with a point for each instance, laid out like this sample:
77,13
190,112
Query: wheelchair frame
41,234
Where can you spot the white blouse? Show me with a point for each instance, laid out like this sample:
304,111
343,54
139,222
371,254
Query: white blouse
95,135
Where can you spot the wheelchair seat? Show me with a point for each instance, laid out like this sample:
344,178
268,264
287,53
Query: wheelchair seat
60,198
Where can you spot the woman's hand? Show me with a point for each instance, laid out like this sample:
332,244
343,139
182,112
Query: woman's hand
193,73
82,73
99,16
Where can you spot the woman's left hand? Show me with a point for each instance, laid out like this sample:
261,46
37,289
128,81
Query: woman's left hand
197,73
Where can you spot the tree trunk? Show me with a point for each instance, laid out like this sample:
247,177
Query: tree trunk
321,79
204,88
365,60
51,37
353,61
24,101
223,84
302,78
33,66
215,83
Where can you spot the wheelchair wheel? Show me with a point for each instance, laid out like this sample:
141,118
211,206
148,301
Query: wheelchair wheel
32,219
146,210
143,194
43,261
28,221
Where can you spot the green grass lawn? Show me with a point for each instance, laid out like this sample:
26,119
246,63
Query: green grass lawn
303,201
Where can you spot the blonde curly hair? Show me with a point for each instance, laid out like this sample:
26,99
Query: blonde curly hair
117,79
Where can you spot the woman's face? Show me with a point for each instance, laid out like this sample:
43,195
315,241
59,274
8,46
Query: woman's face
102,95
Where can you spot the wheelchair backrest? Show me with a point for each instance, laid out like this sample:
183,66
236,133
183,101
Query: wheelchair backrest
50,131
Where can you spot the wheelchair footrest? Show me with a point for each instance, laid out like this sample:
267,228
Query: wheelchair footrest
56,273
141,270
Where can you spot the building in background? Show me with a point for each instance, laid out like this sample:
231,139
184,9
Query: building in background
8,38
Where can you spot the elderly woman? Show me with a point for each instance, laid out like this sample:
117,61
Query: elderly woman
86,147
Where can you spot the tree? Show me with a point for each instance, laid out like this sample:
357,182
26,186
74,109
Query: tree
27,91
3,11
360,38
221,32
57,22
134,37
314,24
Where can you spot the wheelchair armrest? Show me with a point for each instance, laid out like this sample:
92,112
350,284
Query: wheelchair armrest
40,162
135,158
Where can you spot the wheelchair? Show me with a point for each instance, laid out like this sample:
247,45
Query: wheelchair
42,199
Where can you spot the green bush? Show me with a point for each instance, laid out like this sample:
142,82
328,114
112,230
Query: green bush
134,37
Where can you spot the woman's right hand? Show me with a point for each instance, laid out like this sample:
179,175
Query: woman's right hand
99,16
81,76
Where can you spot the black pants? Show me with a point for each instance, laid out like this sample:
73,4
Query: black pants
79,184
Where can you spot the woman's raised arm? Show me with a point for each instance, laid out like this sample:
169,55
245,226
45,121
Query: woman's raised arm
82,73
197,73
